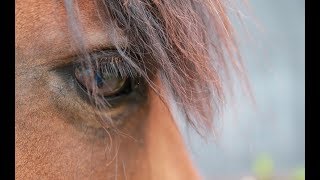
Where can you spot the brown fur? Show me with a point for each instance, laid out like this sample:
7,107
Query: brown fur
57,135
47,146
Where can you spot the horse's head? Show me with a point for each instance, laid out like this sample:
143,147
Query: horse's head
99,85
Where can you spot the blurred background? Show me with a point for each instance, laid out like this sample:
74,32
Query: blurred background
268,138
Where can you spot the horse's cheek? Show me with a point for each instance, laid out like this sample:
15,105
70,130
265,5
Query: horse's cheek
165,149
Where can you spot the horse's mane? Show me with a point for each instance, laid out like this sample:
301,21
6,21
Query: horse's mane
188,44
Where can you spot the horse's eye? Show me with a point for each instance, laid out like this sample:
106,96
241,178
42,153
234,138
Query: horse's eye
102,84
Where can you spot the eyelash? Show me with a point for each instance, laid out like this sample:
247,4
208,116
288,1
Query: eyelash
117,67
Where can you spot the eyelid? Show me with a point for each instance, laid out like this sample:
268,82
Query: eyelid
64,69
68,59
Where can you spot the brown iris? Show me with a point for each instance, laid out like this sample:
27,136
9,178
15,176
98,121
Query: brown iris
103,84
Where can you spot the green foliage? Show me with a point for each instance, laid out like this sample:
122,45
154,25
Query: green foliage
299,174
263,167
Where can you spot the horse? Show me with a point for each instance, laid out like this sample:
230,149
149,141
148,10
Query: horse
99,85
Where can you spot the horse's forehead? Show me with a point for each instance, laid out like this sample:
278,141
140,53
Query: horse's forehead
42,30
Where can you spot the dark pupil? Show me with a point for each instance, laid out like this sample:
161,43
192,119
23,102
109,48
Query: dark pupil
101,84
